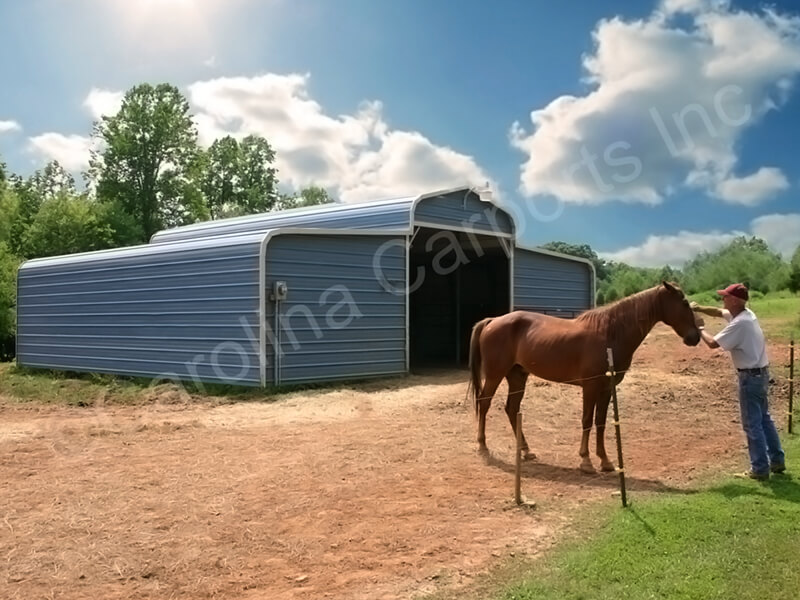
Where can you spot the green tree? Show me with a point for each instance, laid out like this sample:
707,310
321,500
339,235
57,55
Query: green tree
148,149
747,260
259,181
312,195
221,176
8,296
583,251
794,275
68,224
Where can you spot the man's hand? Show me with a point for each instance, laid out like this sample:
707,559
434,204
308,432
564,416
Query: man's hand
694,305
698,321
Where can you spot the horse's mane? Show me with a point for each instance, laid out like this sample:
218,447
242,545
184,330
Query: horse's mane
634,313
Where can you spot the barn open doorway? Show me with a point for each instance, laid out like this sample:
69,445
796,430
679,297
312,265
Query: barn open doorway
455,280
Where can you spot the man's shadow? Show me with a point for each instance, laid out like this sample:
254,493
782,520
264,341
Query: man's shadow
782,487
573,476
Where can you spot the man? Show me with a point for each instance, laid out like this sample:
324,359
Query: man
744,339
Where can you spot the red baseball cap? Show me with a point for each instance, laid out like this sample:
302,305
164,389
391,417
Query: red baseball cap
737,290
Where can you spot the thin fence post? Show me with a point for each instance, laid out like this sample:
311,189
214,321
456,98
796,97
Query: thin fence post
517,480
613,383
791,384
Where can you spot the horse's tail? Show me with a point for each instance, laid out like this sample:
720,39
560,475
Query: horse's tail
475,362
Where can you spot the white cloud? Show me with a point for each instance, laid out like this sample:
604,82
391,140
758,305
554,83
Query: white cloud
71,151
751,190
667,106
673,250
781,232
8,126
357,154
103,102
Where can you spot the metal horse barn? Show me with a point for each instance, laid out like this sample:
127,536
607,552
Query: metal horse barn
332,292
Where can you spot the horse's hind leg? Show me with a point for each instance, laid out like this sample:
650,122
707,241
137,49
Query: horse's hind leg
517,378
484,402
589,400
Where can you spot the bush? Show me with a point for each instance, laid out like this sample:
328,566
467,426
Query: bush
8,302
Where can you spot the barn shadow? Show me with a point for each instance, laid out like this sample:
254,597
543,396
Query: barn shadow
573,476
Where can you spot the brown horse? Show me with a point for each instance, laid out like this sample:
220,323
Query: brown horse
571,351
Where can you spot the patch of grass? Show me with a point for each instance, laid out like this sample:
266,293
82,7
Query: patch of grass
734,539
23,385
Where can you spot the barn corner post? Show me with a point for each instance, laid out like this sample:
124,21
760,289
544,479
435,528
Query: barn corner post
612,382
791,385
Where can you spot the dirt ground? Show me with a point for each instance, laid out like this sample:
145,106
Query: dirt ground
369,492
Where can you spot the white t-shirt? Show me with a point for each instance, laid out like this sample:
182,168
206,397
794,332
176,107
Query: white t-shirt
743,338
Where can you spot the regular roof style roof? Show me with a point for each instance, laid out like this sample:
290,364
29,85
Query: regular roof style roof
387,214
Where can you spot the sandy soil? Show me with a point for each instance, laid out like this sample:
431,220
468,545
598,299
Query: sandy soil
369,492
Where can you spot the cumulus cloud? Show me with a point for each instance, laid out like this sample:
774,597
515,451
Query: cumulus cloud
666,107
780,231
750,190
357,154
71,151
102,103
8,126
673,250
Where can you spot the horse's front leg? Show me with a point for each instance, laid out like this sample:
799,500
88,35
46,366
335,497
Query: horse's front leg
586,421
600,424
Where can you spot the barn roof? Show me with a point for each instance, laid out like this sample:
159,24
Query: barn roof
393,213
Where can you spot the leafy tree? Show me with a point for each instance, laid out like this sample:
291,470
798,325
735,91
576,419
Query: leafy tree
68,224
8,294
259,180
220,181
794,275
583,251
238,178
313,195
49,182
748,260
148,149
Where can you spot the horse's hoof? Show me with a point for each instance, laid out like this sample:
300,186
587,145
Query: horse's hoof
483,451
608,467
529,456
588,468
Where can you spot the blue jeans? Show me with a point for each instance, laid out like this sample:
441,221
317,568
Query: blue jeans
763,442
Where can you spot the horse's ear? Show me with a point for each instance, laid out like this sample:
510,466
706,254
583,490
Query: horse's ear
668,285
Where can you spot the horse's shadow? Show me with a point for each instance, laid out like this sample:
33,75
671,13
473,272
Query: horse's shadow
574,476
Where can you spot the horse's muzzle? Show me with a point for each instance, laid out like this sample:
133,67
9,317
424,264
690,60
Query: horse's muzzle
692,338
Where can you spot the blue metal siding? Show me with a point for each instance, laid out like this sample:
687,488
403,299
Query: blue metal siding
463,209
392,214
184,311
550,284
338,321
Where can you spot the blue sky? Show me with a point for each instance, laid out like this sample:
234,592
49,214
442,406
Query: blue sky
661,128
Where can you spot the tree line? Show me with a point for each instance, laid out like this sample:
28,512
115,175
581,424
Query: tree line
745,259
147,172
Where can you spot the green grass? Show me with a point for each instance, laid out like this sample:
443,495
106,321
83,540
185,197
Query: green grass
736,539
731,538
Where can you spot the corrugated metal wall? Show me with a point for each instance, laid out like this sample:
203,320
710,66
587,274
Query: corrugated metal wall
392,214
184,310
550,284
339,321
463,209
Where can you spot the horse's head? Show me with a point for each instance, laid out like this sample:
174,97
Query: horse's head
677,313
